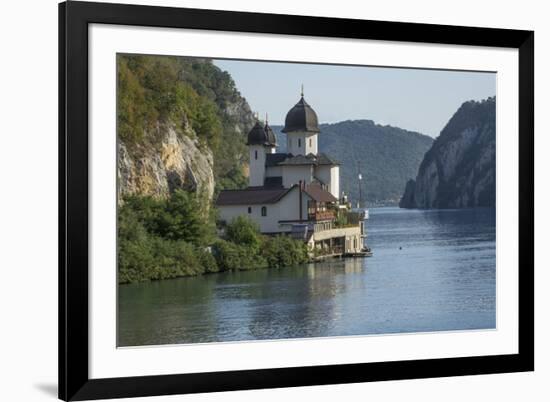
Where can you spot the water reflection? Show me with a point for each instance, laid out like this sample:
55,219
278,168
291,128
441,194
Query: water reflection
432,270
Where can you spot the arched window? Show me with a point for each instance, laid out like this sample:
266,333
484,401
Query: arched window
264,211
310,142
249,210
255,154
299,142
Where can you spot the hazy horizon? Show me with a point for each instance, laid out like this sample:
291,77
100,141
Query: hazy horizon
413,99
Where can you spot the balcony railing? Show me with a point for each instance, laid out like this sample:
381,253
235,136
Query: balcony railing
321,216
327,251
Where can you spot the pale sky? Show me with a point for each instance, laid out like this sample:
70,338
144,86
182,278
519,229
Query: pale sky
412,99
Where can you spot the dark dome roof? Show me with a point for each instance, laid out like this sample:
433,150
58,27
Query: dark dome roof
260,135
301,118
271,138
257,136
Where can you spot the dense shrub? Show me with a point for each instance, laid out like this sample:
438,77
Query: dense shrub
283,251
235,257
207,260
245,232
180,217
246,248
161,239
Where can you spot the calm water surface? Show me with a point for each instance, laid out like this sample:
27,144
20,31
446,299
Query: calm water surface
431,271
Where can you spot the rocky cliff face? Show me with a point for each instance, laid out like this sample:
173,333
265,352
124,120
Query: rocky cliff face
177,162
182,124
459,169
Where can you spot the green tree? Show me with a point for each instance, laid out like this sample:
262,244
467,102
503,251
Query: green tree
243,231
160,239
235,257
182,219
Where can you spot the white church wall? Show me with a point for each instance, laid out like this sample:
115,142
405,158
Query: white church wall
329,175
230,212
295,143
289,206
302,143
257,165
273,171
323,173
335,181
312,144
287,209
293,174
267,224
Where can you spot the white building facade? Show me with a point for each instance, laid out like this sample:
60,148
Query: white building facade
295,192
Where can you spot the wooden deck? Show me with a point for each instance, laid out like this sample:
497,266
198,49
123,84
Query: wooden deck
358,254
362,254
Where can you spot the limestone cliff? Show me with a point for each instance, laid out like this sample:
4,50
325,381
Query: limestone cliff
459,169
181,124
178,161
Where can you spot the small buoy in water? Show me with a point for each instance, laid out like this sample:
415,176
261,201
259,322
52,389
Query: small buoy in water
400,247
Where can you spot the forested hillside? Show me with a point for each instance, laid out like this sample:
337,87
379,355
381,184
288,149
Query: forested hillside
387,156
176,116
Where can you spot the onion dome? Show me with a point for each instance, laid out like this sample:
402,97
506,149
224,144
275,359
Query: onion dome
257,136
301,118
271,138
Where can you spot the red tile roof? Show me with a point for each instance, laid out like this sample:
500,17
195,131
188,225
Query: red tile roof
317,193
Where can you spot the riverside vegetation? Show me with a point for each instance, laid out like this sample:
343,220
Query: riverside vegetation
170,238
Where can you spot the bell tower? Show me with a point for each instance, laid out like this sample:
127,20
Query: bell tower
261,141
302,128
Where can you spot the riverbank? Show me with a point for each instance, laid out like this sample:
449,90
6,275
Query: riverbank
175,237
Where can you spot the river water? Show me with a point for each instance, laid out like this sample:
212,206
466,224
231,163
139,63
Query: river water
432,270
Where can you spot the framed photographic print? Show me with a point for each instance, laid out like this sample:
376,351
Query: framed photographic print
258,200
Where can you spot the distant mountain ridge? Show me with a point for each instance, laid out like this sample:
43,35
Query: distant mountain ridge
459,169
387,156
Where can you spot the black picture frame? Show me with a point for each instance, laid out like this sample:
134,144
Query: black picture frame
74,381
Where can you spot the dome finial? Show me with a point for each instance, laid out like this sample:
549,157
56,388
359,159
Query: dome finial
266,118
302,91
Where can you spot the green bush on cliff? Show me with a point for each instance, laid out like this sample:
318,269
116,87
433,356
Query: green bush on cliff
185,92
151,90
